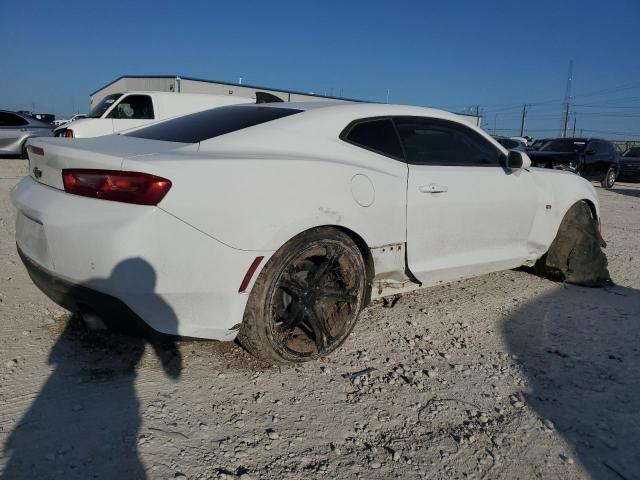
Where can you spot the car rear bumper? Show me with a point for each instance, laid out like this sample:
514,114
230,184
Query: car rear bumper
629,173
141,259
76,298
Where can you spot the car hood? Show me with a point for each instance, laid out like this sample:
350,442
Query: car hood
559,157
76,123
538,153
630,160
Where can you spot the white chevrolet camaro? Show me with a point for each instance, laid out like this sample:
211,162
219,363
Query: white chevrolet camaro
278,223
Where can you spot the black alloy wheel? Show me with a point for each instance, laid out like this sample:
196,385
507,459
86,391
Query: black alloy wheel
307,299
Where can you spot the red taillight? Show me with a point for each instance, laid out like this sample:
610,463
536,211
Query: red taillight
127,187
36,150
68,133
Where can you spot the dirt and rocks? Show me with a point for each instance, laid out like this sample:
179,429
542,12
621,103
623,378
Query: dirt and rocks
506,376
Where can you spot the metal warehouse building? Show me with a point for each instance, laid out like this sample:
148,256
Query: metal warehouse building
167,83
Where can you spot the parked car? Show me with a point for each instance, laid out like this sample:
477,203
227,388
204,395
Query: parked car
511,143
279,223
524,140
122,111
537,143
16,128
630,165
592,158
73,118
45,117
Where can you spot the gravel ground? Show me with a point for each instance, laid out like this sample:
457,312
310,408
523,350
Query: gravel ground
502,376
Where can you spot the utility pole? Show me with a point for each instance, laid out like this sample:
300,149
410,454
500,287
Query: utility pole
574,125
388,91
566,119
567,100
524,115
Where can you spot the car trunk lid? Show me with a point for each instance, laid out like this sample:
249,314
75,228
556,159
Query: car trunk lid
48,157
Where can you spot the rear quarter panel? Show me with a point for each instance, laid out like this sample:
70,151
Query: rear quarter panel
259,203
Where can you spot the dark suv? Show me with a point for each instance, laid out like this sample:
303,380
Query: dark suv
630,164
592,158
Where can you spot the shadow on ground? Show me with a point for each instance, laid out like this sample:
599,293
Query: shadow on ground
84,422
629,192
580,351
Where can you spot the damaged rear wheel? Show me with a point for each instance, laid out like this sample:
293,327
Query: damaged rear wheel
576,255
307,299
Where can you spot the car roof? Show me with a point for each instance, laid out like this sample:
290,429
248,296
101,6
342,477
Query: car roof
363,109
329,119
162,94
577,139
29,118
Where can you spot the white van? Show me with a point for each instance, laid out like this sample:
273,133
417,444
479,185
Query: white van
122,111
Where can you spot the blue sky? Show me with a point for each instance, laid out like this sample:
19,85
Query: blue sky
452,54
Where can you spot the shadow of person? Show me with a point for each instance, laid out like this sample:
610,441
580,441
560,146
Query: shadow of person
580,351
84,422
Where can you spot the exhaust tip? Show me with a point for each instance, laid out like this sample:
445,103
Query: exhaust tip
92,321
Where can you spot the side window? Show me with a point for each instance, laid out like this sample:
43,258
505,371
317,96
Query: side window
378,135
441,142
133,107
600,148
11,120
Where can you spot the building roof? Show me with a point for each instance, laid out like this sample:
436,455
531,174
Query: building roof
255,87
231,84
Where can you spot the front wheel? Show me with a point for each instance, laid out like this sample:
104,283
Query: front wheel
307,298
609,179
575,255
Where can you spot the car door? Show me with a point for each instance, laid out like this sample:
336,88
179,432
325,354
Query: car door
12,128
132,111
592,155
466,213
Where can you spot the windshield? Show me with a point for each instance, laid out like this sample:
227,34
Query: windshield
563,145
538,143
201,126
104,105
633,152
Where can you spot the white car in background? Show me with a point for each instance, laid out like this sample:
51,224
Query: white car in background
279,223
122,111
73,118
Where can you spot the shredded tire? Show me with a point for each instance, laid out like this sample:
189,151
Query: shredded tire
576,255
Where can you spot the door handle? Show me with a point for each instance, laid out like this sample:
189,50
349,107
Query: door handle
433,188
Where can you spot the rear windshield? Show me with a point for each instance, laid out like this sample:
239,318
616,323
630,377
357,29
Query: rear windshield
200,126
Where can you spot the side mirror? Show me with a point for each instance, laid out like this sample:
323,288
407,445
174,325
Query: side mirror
517,160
